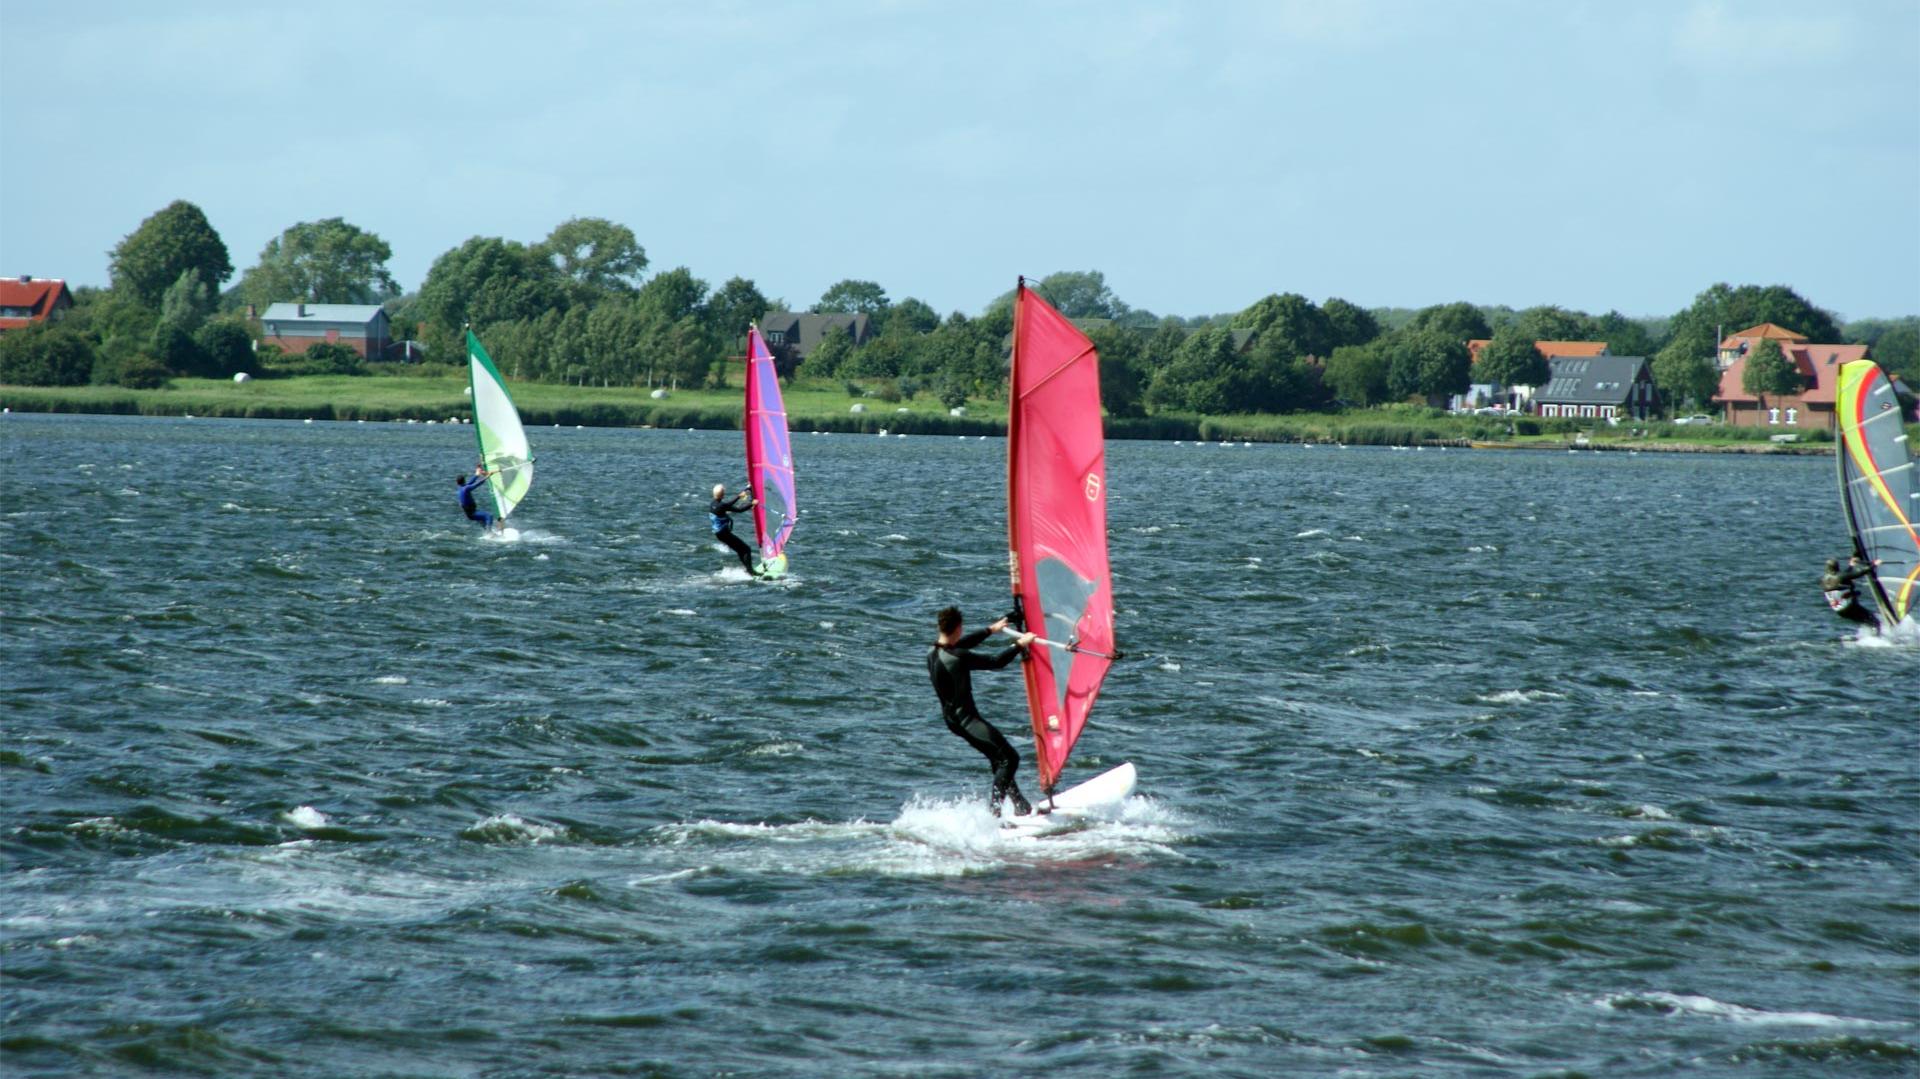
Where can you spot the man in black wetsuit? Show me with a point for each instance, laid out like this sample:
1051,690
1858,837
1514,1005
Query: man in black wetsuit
950,663
1837,583
717,512
467,505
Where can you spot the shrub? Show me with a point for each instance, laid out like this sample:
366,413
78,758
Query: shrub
888,391
43,355
140,371
953,395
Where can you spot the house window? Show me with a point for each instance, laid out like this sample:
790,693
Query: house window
1773,416
1793,417
1586,410
1606,411
776,337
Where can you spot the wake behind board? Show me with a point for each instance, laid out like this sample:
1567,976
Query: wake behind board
1103,792
773,568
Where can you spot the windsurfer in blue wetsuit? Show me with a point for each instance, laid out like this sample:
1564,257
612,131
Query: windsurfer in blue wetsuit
950,663
717,515
467,505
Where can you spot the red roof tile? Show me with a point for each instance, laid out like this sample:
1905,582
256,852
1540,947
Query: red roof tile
39,296
1819,365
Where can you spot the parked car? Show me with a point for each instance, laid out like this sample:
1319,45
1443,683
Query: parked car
1694,419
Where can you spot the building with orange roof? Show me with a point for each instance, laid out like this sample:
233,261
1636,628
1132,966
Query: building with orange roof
1739,344
25,300
1481,392
1811,409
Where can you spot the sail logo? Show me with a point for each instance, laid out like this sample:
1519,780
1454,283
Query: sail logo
1093,487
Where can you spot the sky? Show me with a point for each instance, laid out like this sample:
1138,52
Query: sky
1594,154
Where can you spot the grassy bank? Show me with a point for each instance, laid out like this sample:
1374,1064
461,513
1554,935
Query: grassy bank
829,408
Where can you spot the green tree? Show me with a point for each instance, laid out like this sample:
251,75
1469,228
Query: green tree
176,239
1724,309
1350,324
596,257
1624,336
483,281
225,346
1460,321
1081,294
1289,324
1685,376
912,318
1432,363
825,359
734,305
673,296
1511,359
1357,374
331,358
173,346
45,354
1768,371
851,297
1200,378
325,261
1549,323
187,302
1122,356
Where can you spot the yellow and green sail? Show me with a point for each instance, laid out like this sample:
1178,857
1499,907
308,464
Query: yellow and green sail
1879,486
496,423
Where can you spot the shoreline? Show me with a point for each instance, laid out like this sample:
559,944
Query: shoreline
541,405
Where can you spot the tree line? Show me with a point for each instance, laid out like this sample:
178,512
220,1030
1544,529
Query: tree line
580,307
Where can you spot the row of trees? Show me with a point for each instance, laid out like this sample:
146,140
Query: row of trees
578,306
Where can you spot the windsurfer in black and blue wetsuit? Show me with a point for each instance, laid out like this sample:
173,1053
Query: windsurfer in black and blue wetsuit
1837,583
950,663
717,515
467,505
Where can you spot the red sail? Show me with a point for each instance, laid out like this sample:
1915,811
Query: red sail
1057,523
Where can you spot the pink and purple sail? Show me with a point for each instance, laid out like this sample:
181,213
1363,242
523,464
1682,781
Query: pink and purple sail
769,455
1057,523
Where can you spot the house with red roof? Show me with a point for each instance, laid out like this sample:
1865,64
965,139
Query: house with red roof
25,300
1811,409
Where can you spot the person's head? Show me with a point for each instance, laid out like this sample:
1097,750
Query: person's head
1833,565
719,490
948,620
459,480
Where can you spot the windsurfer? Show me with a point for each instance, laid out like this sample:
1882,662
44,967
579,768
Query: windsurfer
1841,594
950,663
467,504
717,514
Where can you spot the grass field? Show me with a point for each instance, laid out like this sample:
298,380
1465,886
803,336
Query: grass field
829,408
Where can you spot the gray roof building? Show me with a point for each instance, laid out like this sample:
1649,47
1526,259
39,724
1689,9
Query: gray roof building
797,333
1597,385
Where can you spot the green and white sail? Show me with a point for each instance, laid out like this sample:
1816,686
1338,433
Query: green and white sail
496,423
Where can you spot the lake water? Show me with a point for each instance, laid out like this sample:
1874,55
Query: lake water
1452,764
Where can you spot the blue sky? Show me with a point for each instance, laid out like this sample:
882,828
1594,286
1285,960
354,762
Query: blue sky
1608,154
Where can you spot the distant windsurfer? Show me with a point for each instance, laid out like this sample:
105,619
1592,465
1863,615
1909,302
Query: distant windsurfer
717,514
467,505
1837,583
950,663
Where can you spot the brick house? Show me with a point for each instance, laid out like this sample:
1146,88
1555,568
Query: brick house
1811,409
25,300
296,327
1597,387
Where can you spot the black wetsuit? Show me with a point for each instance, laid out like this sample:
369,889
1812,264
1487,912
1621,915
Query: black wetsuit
717,511
951,666
1844,599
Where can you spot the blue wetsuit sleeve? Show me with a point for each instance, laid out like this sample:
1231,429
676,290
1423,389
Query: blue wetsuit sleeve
978,662
974,639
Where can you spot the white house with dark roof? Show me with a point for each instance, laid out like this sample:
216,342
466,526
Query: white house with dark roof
1597,387
296,327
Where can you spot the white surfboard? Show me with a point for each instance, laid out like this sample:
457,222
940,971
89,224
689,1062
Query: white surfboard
1104,791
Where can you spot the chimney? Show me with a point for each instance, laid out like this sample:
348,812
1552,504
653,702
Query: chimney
302,309
252,311
26,278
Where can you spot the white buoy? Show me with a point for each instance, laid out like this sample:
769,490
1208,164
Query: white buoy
241,377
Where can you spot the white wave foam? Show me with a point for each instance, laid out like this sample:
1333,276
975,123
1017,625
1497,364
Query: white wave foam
1169,665
1519,696
685,612
511,828
390,680
1687,1004
893,536
1309,533
776,749
432,702
306,818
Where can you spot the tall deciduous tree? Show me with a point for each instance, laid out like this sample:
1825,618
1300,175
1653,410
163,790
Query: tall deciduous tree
176,239
187,302
325,261
1289,324
1350,324
1460,321
1432,363
851,297
487,280
597,257
1549,323
1724,309
1081,294
1685,374
1768,371
1511,359
1357,374
733,306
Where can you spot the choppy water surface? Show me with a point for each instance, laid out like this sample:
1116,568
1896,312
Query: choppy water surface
1453,764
